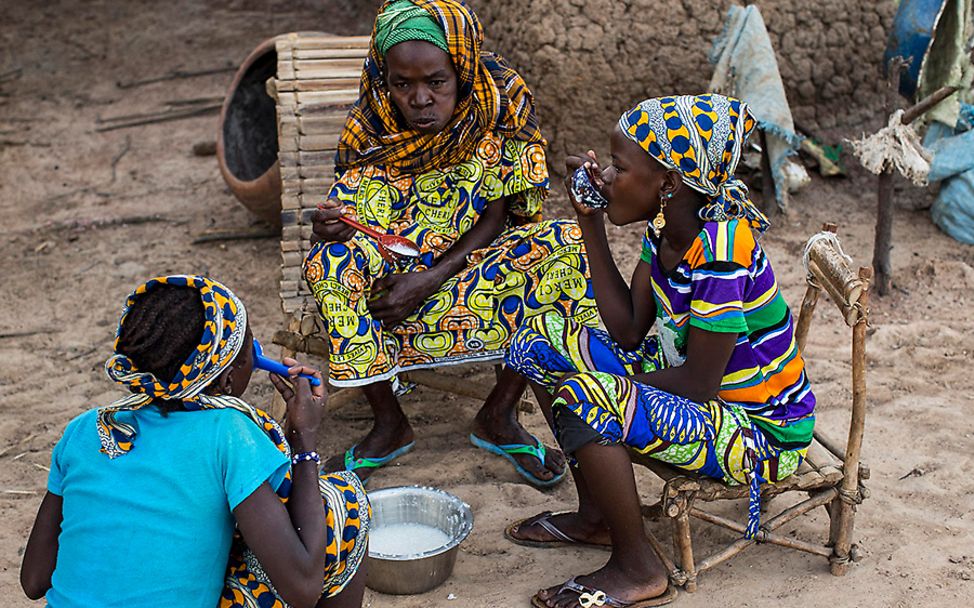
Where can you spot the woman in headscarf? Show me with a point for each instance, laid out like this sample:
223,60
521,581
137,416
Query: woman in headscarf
720,388
443,148
148,497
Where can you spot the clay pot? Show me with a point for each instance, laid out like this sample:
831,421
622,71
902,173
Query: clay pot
246,144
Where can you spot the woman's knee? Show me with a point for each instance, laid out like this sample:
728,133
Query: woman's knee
527,335
542,322
574,387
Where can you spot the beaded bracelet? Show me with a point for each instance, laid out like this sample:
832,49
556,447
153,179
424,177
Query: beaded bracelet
305,456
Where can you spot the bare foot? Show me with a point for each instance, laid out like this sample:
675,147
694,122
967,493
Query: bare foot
639,580
573,525
507,430
381,441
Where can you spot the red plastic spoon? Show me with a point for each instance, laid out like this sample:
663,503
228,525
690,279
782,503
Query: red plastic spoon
392,243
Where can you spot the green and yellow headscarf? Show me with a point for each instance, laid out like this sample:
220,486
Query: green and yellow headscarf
225,324
401,21
702,137
491,96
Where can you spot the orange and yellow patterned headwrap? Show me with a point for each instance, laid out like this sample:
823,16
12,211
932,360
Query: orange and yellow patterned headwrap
491,98
225,324
702,137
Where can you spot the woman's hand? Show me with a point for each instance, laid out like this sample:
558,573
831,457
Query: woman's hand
304,403
396,296
289,541
326,226
591,163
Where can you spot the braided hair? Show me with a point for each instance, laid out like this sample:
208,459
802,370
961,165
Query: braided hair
160,331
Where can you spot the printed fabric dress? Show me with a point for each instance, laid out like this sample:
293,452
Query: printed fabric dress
348,517
528,270
759,426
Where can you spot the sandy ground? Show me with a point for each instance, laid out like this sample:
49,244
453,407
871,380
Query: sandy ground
65,274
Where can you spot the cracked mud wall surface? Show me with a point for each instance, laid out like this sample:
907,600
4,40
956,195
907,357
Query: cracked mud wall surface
587,61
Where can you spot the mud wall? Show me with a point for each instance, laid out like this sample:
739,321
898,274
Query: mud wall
589,60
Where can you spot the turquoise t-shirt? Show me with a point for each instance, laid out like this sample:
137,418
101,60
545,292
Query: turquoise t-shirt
153,527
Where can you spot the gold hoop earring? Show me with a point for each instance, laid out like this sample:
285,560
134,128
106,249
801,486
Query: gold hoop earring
659,222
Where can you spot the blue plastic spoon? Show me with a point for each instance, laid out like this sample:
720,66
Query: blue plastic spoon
276,367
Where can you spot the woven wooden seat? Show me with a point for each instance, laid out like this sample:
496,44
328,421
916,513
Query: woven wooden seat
317,82
831,475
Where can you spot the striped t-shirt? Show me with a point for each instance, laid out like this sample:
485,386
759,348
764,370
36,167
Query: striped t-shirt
725,283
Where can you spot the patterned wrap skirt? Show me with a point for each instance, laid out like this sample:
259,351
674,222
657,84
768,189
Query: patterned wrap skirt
713,438
347,519
527,271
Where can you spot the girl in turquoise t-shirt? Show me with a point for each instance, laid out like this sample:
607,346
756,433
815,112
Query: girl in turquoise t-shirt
182,494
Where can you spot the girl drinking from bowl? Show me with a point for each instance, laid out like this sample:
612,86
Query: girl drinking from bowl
720,389
149,497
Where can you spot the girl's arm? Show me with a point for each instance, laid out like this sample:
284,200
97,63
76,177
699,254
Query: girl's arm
290,542
699,378
40,556
402,293
628,311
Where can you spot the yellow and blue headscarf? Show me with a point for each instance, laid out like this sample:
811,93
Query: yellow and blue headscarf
702,137
225,324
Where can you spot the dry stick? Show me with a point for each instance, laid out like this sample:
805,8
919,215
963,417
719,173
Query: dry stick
174,75
118,157
11,75
236,236
27,332
16,142
87,52
172,106
162,117
82,354
194,101
927,103
130,220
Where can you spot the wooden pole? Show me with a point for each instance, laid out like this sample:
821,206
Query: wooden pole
658,548
764,535
843,509
805,315
884,232
927,103
884,196
684,548
884,200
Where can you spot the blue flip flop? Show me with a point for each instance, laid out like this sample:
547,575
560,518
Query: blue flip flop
507,452
353,464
